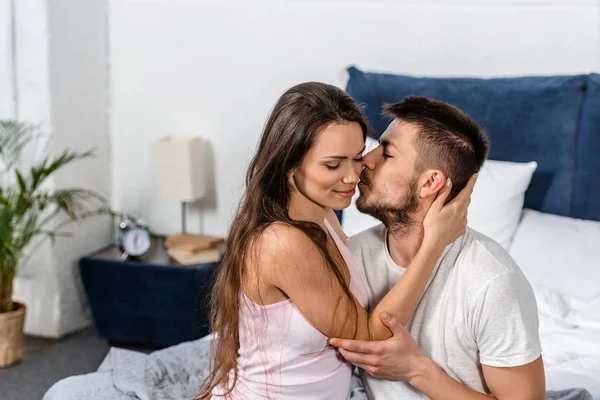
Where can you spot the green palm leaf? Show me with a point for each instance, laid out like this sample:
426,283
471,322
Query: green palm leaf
28,210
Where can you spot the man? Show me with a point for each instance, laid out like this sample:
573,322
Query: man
475,329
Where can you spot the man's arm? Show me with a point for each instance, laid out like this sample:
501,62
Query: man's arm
399,359
525,382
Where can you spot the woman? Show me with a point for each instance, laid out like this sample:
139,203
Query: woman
288,282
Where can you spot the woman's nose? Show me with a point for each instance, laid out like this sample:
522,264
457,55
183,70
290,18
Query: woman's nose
353,174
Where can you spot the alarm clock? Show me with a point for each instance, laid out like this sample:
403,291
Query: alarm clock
133,237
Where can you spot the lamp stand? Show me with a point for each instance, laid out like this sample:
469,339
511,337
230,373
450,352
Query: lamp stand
191,243
183,215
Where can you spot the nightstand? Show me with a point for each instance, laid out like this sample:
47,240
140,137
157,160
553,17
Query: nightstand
153,301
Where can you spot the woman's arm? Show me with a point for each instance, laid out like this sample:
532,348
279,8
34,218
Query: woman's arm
289,261
402,299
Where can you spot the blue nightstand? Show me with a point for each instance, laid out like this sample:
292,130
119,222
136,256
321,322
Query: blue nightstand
153,301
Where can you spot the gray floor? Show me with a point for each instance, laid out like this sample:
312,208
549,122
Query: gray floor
47,361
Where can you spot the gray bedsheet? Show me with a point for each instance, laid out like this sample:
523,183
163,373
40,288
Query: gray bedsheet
174,373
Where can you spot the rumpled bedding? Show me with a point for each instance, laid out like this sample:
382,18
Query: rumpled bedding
174,373
570,336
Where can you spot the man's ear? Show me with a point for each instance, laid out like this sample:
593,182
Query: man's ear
431,182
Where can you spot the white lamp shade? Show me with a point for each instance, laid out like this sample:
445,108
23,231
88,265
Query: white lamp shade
180,164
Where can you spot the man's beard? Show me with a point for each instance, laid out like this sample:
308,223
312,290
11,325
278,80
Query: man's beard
397,217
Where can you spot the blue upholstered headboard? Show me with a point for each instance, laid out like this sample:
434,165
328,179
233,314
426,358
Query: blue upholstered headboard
553,120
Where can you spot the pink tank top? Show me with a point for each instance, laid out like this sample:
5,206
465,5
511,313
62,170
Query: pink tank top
283,357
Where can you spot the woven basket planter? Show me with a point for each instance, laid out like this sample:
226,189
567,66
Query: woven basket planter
11,335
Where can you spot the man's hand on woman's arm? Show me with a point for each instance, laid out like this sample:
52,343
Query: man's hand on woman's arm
399,359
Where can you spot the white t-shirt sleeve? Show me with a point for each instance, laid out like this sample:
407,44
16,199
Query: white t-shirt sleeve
505,322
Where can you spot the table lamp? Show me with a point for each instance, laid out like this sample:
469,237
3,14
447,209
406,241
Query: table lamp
180,164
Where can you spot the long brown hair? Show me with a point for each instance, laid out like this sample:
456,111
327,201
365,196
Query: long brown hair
300,114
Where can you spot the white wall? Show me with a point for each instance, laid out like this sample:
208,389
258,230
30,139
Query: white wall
215,68
6,61
35,285
61,83
78,60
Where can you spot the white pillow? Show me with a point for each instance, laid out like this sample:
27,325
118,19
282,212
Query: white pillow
560,253
497,199
496,203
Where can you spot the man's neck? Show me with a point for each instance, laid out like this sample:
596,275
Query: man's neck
404,243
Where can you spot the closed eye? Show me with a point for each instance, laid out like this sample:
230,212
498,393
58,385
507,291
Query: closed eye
385,144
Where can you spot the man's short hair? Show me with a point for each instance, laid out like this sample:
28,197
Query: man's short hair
448,139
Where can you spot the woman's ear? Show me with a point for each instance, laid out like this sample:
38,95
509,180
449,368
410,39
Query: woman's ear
432,181
291,180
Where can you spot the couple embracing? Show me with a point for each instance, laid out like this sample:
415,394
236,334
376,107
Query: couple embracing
424,306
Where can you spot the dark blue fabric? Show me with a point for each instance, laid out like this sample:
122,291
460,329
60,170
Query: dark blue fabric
586,194
148,303
527,118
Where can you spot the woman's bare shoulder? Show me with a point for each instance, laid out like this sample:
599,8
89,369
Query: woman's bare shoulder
281,237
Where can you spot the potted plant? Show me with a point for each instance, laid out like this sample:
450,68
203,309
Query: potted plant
30,211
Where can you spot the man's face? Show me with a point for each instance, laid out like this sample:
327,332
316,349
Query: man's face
388,183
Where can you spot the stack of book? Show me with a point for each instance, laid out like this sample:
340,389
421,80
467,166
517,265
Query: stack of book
191,249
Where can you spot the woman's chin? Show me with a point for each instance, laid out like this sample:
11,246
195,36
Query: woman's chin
340,204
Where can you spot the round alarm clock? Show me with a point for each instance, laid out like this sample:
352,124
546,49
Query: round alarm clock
133,237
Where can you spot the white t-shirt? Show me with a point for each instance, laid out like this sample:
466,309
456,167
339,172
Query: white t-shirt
477,308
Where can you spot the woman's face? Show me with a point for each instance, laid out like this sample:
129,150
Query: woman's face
329,173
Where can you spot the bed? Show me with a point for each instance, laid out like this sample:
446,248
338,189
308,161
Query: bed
538,195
